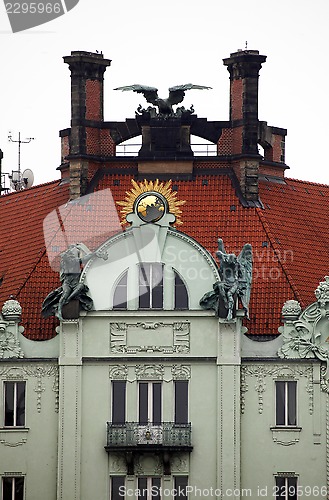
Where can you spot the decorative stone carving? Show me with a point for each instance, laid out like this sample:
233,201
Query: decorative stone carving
12,310
118,372
118,463
9,330
174,338
236,275
261,372
322,293
291,310
40,372
181,372
306,336
149,372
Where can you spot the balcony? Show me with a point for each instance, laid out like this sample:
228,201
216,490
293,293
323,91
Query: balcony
132,435
164,438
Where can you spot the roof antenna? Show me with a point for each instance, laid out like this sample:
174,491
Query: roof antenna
246,47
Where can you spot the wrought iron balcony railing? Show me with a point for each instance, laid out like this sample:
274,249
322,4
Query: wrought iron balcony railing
132,435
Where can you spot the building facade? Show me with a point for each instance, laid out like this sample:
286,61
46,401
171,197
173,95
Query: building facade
138,358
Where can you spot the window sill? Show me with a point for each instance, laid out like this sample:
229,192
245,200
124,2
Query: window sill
285,435
14,429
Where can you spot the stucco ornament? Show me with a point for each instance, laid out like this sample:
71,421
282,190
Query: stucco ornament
12,310
291,309
236,276
322,294
306,336
72,261
9,330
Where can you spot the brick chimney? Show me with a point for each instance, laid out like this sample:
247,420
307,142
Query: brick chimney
87,110
244,67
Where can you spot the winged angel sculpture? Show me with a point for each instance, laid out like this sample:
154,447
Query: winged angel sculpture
165,106
236,274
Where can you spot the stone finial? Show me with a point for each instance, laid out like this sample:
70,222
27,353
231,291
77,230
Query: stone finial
291,310
322,292
12,310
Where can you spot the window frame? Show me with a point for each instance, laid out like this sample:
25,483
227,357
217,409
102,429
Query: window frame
14,493
151,482
147,283
118,287
15,410
181,285
177,491
288,478
151,410
286,404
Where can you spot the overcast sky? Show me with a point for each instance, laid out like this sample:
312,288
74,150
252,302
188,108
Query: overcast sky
165,43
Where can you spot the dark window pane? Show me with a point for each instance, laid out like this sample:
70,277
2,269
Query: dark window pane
144,286
292,488
157,286
292,403
181,401
117,484
118,402
280,483
120,293
180,487
181,297
156,403
143,403
280,403
156,483
20,403
19,488
7,488
157,297
142,487
9,403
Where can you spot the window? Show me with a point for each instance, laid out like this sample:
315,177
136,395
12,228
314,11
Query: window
286,487
285,396
117,487
181,297
150,403
120,293
12,488
149,488
181,402
180,485
151,286
14,396
118,402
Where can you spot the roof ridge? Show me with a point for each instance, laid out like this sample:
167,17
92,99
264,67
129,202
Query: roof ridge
312,183
268,231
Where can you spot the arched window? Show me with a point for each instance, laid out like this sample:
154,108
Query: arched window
120,292
181,296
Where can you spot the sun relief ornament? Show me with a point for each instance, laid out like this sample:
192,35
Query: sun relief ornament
152,202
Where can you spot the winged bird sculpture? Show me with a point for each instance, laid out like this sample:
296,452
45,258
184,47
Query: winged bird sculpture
165,106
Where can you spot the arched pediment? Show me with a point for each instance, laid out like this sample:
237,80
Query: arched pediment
150,249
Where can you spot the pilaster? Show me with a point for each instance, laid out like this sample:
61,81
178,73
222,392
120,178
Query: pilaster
228,410
69,439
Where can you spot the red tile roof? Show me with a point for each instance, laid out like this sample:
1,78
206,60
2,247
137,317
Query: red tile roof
289,238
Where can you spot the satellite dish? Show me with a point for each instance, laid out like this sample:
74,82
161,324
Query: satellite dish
27,178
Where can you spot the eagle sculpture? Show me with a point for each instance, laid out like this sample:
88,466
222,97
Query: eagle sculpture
165,106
